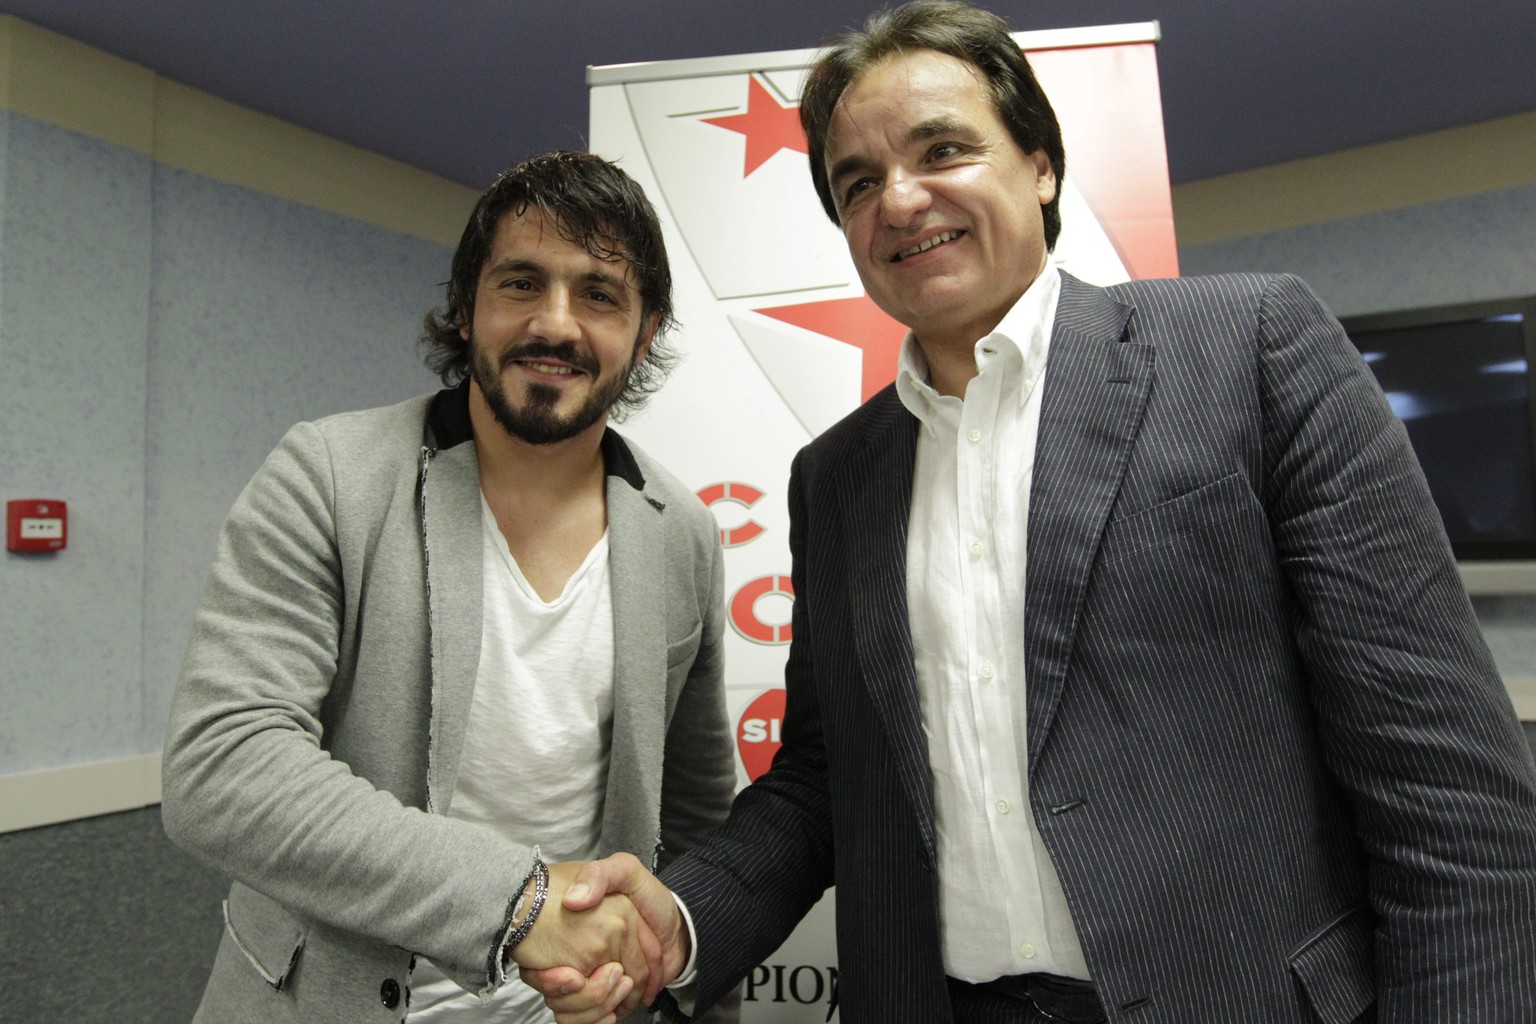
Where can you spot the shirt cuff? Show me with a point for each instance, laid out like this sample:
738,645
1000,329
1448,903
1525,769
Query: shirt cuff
682,986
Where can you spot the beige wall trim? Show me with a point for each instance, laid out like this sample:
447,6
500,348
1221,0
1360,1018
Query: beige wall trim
48,797
217,139
1450,164
51,78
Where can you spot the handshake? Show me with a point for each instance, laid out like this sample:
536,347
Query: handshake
608,937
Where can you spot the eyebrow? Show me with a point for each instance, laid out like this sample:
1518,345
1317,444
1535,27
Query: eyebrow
521,266
937,127
923,131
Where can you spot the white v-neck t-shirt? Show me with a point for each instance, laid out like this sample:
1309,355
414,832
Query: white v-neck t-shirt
535,760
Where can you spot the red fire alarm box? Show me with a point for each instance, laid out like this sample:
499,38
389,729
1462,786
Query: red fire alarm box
36,524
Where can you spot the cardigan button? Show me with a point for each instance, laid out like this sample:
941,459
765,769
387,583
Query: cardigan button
389,993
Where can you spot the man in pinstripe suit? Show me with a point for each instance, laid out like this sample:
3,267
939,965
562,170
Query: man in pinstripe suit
1132,678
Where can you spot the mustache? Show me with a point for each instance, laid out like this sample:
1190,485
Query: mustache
565,352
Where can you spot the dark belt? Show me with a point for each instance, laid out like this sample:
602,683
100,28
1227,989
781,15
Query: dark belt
1063,999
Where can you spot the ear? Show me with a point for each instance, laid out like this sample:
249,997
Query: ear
1045,177
644,338
464,327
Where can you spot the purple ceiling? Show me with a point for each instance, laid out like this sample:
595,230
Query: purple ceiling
464,87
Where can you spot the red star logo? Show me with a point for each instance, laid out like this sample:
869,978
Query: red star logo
857,322
767,126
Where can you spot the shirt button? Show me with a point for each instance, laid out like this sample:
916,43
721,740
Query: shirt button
973,435
986,671
1003,807
978,549
1028,949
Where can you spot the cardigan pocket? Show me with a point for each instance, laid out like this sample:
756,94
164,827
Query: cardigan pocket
1336,966
683,650
270,937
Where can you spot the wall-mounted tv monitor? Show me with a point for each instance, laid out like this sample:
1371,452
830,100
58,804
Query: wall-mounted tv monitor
1463,381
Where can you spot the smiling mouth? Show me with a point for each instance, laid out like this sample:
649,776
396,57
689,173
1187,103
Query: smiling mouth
938,239
550,368
562,360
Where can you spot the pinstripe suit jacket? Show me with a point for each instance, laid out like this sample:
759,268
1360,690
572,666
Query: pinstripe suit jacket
1268,751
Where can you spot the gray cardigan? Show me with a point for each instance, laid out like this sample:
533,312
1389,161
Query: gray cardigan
317,725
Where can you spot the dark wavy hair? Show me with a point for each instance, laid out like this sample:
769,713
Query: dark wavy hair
979,38
593,204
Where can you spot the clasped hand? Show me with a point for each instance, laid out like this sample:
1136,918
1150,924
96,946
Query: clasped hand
607,940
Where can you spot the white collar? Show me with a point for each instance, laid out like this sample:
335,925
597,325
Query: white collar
1020,342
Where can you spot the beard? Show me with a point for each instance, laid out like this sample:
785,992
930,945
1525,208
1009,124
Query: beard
536,421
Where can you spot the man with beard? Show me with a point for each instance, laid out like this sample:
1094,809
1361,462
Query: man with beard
449,646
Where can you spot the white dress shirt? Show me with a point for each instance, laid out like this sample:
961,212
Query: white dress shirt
1002,910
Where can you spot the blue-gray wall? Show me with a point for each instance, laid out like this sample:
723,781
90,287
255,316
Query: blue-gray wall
158,332
1459,250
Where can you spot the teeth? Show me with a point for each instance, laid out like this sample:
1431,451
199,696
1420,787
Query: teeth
550,368
944,236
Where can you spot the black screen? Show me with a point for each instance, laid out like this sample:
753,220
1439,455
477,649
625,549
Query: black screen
1463,391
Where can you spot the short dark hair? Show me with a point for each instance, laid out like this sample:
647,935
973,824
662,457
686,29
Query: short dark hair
593,204
967,33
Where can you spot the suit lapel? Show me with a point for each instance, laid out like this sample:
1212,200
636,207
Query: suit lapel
450,524
1096,388
875,492
637,574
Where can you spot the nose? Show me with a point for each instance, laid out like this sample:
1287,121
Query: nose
555,319
903,199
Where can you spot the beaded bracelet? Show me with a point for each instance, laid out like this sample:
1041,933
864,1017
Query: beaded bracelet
540,878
